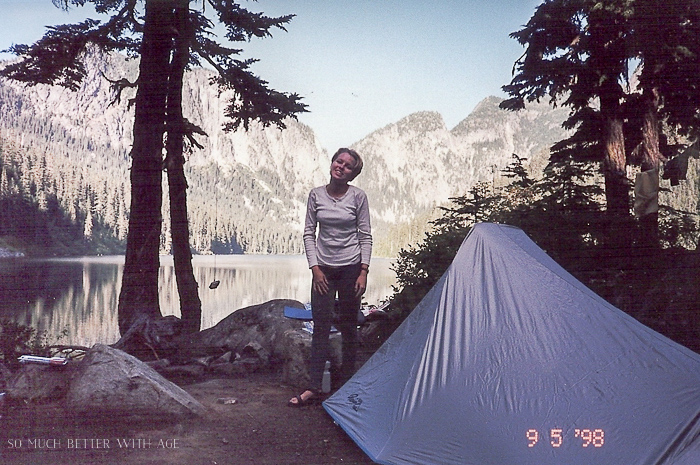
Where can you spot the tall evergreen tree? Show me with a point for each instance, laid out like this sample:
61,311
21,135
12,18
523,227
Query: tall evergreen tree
168,38
579,53
576,56
190,304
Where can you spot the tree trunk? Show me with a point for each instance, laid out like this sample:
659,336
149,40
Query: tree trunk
190,304
651,153
616,183
651,160
139,291
607,60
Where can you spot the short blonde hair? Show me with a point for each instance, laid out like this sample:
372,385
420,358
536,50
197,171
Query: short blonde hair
358,160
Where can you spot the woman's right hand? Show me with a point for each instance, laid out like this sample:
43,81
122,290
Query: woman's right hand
319,281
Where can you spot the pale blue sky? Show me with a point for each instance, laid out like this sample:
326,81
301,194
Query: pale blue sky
360,64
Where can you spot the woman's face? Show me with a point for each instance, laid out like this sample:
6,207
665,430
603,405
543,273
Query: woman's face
343,167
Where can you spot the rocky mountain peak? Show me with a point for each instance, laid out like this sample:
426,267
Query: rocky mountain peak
248,188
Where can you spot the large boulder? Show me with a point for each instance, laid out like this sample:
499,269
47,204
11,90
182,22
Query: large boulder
150,338
38,383
263,324
261,327
277,342
109,380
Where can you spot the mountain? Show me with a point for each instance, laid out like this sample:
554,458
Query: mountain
418,163
68,152
247,189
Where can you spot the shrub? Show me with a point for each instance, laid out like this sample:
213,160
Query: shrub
656,280
17,339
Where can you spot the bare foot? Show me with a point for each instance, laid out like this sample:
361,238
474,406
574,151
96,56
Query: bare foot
302,399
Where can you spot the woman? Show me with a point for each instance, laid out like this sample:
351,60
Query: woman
339,262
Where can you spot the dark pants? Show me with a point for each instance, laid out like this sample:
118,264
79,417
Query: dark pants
341,280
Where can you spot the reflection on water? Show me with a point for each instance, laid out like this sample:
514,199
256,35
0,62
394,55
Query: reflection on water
81,295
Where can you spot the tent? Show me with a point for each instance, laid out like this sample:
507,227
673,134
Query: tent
510,360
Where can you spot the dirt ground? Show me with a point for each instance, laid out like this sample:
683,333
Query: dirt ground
258,428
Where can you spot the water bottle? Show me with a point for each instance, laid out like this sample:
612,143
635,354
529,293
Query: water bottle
326,380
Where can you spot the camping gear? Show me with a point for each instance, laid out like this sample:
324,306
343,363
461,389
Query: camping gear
509,360
298,313
305,313
55,361
326,380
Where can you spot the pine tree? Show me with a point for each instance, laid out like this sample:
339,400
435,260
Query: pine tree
578,55
57,59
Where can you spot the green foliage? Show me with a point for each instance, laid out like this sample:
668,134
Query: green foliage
578,54
554,211
48,208
60,57
57,58
562,213
17,339
65,208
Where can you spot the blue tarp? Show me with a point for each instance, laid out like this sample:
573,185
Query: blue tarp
511,360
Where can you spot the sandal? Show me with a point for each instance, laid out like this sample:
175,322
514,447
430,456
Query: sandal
300,402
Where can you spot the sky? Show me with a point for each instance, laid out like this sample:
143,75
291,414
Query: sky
361,64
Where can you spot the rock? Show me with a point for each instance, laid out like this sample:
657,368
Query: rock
38,383
253,350
203,361
261,323
252,331
248,365
298,350
5,375
295,368
228,369
226,358
108,380
262,338
227,400
158,365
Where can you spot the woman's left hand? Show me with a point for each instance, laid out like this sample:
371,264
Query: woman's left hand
361,283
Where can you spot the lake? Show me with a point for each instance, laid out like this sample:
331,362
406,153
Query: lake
80,295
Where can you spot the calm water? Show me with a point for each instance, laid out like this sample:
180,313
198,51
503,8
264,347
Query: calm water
80,295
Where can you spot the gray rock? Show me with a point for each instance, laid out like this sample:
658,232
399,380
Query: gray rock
261,337
295,368
253,350
33,383
262,324
298,352
150,338
159,364
227,369
254,332
5,375
108,380
226,358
